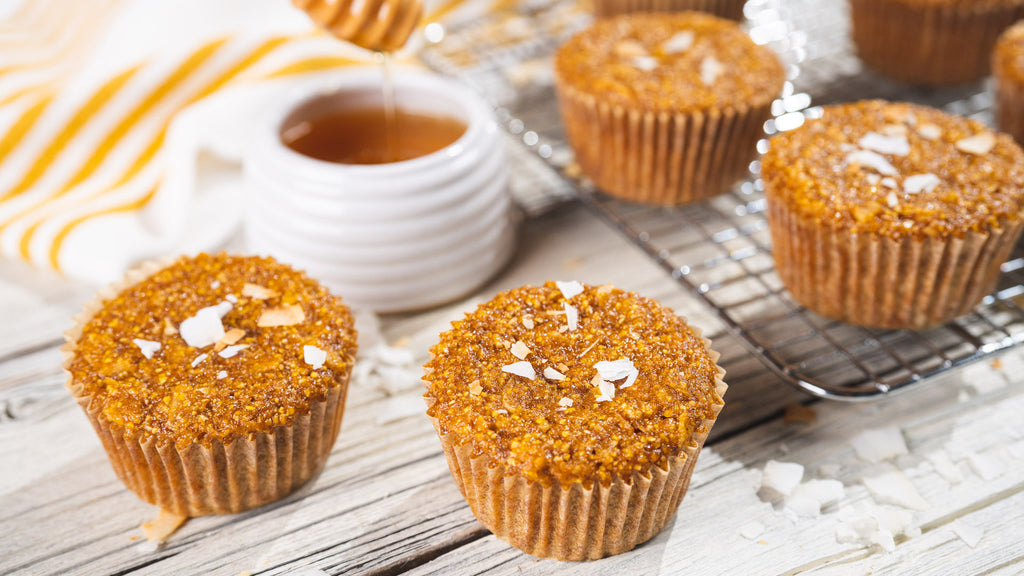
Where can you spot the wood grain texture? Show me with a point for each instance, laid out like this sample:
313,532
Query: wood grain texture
385,504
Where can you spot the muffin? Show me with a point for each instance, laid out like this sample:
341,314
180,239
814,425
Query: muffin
731,9
892,215
1008,70
571,416
931,42
216,383
665,108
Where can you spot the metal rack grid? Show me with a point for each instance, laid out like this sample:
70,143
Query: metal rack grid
720,249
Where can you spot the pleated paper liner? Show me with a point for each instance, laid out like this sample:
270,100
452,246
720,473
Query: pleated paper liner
930,43
731,9
877,281
575,522
1009,104
660,157
212,477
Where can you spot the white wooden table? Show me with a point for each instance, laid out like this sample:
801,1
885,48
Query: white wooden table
385,504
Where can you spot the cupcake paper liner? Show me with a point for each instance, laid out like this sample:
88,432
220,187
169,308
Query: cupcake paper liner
930,43
732,9
878,281
211,477
575,522
661,157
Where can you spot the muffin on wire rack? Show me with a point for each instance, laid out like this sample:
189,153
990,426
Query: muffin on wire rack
892,215
572,416
665,108
731,9
215,383
931,42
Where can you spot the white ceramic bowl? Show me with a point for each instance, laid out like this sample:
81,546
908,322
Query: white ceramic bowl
388,237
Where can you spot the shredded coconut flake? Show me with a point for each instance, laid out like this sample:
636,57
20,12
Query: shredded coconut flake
147,347
314,356
929,131
890,182
569,289
528,322
873,178
781,477
520,350
617,370
869,159
565,402
215,284
231,351
223,308
232,336
879,444
979,144
162,526
257,292
920,182
710,69
199,359
894,129
231,298
552,374
222,374
892,200
572,316
752,530
895,144
607,390
524,369
645,63
630,49
893,487
971,535
286,315
680,42
202,329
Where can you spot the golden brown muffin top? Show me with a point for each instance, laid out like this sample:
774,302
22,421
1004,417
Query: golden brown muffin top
590,386
1008,55
158,359
897,169
670,62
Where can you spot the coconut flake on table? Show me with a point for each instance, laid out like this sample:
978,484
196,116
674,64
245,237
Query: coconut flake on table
810,497
979,144
752,529
552,374
971,535
679,42
945,467
524,369
878,444
896,144
569,289
710,69
920,182
780,478
893,487
520,350
986,465
147,347
314,356
199,359
874,525
872,160
612,370
202,329
572,316
231,351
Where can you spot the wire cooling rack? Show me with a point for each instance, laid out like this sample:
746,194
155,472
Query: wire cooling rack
720,249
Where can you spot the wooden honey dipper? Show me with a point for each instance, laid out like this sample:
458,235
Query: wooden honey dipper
378,25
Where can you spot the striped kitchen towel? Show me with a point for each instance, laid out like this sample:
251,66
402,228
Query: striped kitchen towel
114,144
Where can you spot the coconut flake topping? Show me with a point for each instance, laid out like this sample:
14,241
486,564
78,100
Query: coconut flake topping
572,316
607,391
520,350
872,160
231,351
617,370
680,42
569,289
147,347
710,69
565,402
257,292
645,63
286,315
314,356
524,369
929,131
199,359
978,144
920,182
552,374
202,329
